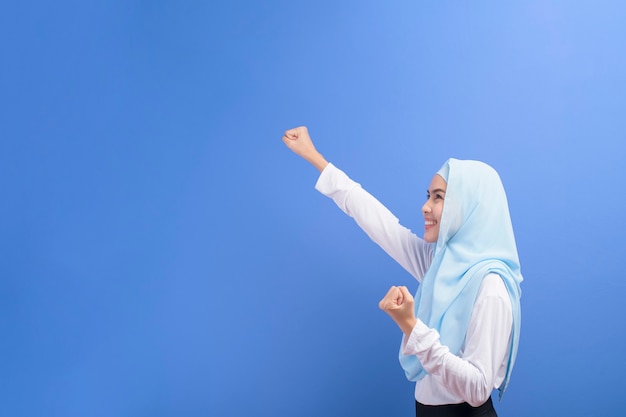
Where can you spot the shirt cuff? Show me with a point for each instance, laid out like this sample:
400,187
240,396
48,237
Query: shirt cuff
324,182
421,339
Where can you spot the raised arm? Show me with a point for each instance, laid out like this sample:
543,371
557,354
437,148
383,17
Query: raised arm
410,251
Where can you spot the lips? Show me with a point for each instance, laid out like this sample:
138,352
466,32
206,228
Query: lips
429,223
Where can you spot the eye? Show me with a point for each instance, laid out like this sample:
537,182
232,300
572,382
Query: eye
438,197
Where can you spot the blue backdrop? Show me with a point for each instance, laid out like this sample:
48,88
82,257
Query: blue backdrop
163,253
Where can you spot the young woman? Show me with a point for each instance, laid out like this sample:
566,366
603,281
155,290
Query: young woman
461,330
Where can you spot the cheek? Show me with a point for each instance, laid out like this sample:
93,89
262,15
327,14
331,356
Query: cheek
438,213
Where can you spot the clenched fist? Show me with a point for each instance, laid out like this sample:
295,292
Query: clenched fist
399,304
299,141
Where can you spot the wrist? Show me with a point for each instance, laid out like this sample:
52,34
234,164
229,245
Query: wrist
317,160
407,326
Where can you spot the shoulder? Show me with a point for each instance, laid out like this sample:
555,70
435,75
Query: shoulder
493,289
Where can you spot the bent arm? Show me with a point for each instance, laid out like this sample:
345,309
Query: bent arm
479,369
410,251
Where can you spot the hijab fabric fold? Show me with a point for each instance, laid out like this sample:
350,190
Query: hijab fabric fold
475,238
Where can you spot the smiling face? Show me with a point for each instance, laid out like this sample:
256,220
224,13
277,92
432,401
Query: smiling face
433,208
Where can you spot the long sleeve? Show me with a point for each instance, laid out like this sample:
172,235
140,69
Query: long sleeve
410,251
480,367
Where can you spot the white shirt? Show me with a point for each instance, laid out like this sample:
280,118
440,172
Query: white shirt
480,366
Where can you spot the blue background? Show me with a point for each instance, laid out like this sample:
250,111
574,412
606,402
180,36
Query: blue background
163,253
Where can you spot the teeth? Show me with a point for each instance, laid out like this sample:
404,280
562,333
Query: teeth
429,223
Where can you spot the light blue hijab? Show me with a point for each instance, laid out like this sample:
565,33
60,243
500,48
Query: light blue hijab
475,239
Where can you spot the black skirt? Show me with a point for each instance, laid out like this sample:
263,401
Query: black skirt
455,410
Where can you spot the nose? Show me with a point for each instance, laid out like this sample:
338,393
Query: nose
425,208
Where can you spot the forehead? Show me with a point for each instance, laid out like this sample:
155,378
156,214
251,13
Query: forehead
437,183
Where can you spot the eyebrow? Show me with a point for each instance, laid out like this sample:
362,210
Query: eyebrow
436,190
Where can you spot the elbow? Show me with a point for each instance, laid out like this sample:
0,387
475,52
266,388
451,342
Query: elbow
476,404
479,394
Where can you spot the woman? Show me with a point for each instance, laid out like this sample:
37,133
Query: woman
461,331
